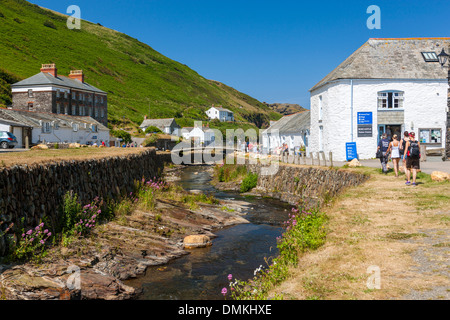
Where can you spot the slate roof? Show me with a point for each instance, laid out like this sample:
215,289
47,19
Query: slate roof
222,109
44,78
293,123
391,59
159,123
33,119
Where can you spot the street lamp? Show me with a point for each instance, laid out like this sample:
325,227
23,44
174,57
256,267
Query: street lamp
443,57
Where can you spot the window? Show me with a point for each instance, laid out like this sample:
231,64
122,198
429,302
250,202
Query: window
96,112
94,128
46,127
75,127
389,100
321,138
66,94
320,108
30,106
66,110
57,93
58,108
74,95
430,136
102,113
74,110
430,56
30,93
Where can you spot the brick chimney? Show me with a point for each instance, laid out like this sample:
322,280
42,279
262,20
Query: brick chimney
77,75
50,68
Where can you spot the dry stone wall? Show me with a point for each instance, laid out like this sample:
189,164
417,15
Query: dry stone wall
37,191
312,185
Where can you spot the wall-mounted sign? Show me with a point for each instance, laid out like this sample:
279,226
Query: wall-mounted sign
351,151
365,118
365,130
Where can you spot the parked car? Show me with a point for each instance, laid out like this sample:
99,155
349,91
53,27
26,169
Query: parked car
7,140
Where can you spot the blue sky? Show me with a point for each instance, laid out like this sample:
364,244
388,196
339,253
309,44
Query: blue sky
274,51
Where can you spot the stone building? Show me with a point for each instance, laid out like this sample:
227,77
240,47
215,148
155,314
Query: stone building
168,126
50,92
386,86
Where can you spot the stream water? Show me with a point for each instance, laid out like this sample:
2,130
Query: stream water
237,250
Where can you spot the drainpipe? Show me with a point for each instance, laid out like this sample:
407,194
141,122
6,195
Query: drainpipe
351,107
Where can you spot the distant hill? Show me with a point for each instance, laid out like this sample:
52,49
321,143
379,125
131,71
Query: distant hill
139,80
285,108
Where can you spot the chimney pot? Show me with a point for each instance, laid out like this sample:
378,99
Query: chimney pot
50,68
77,75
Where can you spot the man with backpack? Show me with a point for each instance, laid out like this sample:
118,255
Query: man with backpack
412,150
383,146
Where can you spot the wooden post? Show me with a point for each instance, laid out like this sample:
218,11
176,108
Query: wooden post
331,159
324,159
27,142
423,153
318,157
312,158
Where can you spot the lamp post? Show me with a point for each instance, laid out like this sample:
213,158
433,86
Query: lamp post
443,59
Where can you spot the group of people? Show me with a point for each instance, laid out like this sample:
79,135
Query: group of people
406,149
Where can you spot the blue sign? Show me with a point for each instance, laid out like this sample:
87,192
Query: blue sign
365,118
351,151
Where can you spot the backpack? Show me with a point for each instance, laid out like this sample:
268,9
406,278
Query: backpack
414,150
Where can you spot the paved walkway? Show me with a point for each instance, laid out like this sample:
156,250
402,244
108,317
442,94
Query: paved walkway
432,164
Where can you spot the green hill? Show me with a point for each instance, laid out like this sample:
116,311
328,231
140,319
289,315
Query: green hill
140,81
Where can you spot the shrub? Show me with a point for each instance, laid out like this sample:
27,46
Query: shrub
153,129
32,244
249,182
125,136
49,24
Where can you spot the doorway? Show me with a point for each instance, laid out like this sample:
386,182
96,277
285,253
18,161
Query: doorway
390,130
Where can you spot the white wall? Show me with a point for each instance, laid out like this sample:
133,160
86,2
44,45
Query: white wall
425,103
67,135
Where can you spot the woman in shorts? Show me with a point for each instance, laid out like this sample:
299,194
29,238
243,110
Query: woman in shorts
394,150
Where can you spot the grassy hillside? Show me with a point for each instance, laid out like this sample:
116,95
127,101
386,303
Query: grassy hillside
139,80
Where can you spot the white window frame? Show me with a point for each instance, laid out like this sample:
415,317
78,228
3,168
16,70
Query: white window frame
46,127
393,98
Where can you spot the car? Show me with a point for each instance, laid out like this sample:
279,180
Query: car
7,140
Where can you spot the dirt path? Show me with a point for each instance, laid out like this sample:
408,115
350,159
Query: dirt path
402,231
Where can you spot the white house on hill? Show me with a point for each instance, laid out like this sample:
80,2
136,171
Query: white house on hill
220,113
387,85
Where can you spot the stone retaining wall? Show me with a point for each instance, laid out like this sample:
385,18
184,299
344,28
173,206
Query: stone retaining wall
313,185
37,191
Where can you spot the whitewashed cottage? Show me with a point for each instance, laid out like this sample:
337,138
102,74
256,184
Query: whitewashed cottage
292,130
386,86
220,113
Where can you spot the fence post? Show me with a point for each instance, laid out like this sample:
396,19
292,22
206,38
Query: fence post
331,159
318,157
324,159
312,158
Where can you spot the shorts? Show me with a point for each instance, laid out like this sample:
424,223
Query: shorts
412,163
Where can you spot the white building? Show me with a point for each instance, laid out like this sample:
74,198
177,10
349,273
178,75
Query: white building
200,136
220,113
291,129
167,126
387,85
52,128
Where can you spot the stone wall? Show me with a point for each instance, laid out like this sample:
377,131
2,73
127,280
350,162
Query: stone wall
37,191
310,184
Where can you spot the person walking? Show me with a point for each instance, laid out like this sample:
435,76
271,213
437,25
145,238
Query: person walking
394,151
383,145
412,149
402,149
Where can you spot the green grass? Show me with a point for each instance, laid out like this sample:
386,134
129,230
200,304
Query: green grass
139,80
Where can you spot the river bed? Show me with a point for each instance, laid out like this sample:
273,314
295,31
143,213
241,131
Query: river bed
237,250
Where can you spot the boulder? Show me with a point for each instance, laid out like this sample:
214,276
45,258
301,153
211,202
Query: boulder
440,176
354,163
196,241
40,147
74,145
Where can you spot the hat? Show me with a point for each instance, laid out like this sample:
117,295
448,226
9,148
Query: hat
412,134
